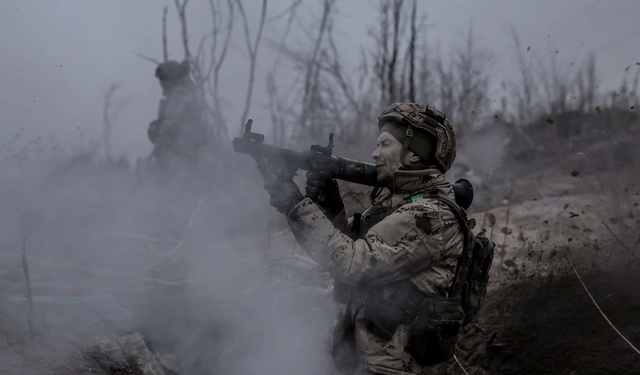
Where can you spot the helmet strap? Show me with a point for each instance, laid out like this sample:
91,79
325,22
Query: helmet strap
405,145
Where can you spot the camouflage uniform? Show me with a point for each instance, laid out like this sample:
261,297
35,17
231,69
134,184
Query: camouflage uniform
401,239
180,129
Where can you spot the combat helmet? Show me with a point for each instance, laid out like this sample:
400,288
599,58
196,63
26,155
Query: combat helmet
172,70
422,120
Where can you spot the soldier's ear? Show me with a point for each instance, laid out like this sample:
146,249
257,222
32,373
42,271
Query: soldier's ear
413,157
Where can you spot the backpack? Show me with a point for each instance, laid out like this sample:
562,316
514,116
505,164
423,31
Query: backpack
472,273
434,334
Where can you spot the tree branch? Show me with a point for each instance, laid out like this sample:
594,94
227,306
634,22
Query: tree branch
253,52
165,51
183,22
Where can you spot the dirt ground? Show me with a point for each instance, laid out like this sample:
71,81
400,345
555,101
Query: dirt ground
552,326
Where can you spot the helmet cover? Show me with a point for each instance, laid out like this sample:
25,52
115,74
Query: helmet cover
172,71
424,119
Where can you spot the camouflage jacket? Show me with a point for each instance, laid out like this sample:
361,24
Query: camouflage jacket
402,238
181,126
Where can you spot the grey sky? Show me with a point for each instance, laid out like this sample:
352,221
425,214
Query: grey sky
59,56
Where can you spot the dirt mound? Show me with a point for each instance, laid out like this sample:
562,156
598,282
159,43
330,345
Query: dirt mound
552,326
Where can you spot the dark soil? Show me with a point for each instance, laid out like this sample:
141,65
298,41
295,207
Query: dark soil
552,326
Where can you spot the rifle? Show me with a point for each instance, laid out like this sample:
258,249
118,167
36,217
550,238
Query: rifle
320,158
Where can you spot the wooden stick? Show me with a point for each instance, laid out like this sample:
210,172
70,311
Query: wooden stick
164,34
25,268
151,59
195,211
506,228
161,260
458,362
598,307
619,240
149,239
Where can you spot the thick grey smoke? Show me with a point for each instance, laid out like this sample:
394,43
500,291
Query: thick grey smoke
189,259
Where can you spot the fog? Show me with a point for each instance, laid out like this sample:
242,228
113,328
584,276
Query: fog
207,270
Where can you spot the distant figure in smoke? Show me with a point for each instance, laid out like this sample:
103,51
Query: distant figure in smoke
180,130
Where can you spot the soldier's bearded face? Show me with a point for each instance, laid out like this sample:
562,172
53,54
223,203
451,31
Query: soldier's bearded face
387,157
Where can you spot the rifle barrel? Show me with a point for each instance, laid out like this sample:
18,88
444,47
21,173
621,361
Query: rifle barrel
339,167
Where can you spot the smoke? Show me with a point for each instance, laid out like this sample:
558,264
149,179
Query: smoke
481,160
207,270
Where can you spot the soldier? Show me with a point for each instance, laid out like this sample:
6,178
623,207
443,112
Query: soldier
180,129
394,264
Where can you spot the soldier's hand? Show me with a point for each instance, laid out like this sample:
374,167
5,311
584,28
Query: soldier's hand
324,190
283,192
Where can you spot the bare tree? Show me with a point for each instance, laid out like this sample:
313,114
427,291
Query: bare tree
165,51
181,9
425,76
557,85
207,63
312,102
252,49
446,84
218,53
411,52
276,104
308,92
472,74
339,101
524,90
626,96
388,38
587,85
205,66
547,87
15,153
110,110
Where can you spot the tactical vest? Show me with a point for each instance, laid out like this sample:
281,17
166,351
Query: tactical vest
434,321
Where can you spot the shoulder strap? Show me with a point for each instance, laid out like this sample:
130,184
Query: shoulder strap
464,262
